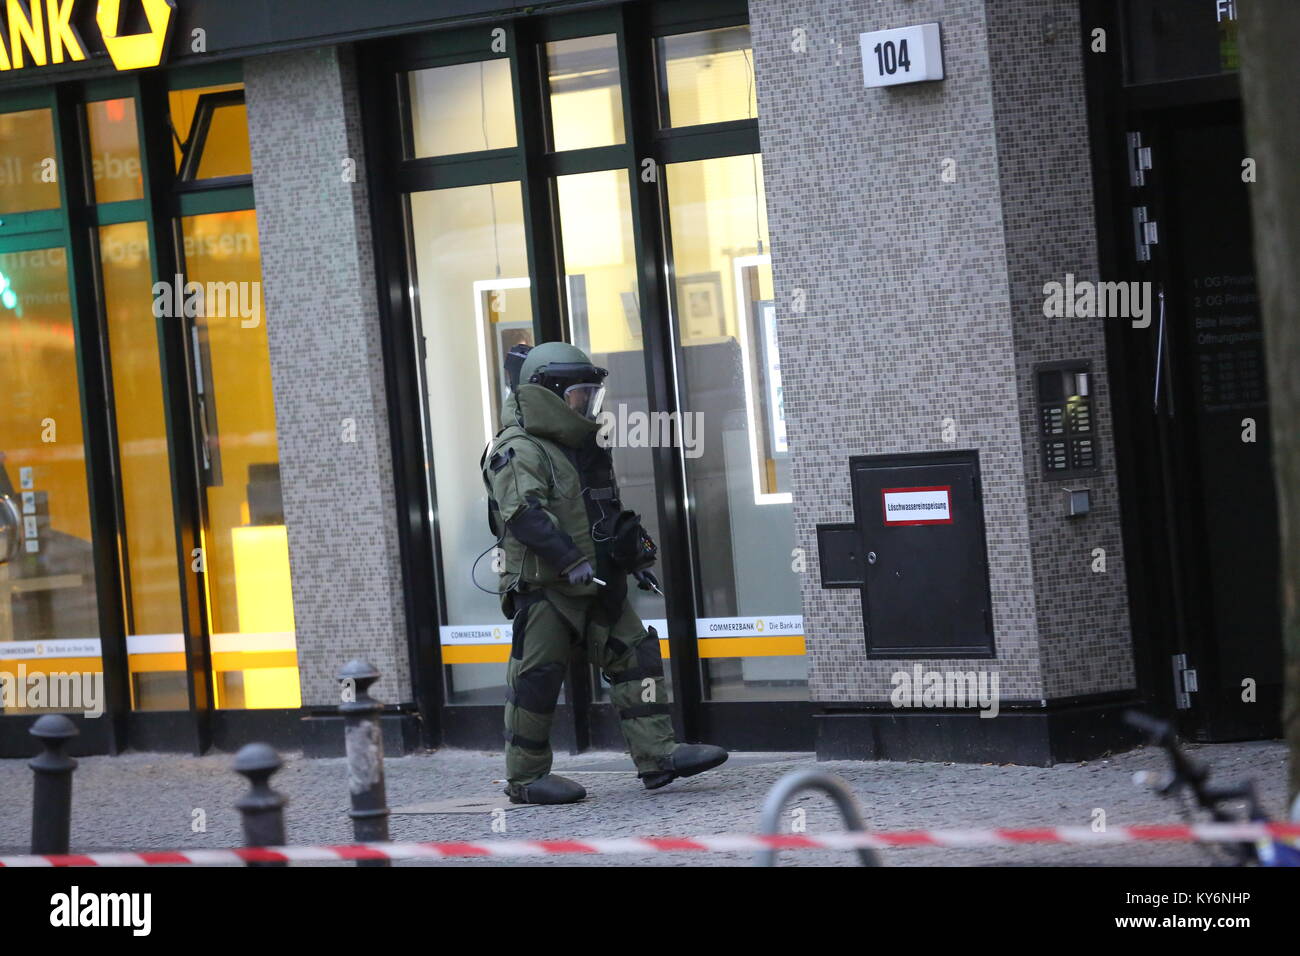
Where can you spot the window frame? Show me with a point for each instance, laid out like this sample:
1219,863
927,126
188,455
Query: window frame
637,28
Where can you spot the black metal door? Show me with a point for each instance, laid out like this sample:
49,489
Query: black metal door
926,568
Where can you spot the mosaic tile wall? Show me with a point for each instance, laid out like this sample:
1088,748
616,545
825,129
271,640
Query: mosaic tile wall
920,299
1049,218
327,369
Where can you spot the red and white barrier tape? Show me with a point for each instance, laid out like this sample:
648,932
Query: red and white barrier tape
725,843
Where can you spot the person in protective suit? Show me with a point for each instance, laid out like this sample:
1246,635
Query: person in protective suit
554,507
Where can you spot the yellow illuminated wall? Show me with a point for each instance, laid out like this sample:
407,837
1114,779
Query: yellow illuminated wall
265,606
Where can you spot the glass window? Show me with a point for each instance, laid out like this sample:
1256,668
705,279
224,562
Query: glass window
214,121
463,108
114,151
150,576
49,614
706,77
246,550
738,476
471,269
225,149
1173,39
586,95
28,175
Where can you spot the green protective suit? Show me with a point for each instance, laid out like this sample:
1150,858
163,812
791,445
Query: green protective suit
533,466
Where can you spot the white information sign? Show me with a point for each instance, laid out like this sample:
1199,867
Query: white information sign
776,625
502,633
930,505
60,647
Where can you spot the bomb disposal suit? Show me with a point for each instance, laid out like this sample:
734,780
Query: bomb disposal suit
554,508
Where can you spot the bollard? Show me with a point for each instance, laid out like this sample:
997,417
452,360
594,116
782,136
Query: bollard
365,749
52,789
262,808
827,783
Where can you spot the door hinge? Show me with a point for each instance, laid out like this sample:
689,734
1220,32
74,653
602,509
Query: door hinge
1145,234
1185,684
1139,160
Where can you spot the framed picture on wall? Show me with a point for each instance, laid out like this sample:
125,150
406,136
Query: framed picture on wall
699,298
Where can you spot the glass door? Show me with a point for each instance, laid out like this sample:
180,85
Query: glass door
133,348
150,573
750,629
245,545
50,649
471,269
49,613
217,301
749,626
596,178
601,266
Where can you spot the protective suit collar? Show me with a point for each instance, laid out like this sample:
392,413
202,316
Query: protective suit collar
509,410
546,415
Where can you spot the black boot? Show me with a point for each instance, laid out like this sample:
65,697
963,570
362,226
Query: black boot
548,790
686,760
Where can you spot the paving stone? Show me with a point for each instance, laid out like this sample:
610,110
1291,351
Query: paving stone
152,801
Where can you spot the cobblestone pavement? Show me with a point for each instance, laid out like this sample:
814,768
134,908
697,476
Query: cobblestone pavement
149,800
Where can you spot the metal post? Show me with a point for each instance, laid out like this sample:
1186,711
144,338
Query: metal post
262,808
827,783
364,742
52,790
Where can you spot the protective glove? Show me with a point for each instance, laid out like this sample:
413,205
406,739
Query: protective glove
647,581
581,573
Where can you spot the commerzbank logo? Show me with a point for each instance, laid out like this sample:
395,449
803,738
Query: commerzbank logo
40,32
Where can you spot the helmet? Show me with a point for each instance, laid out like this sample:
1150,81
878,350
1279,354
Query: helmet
566,371
514,362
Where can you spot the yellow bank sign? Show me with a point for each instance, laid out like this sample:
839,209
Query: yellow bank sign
41,32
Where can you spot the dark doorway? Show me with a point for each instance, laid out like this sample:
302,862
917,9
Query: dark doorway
1200,507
